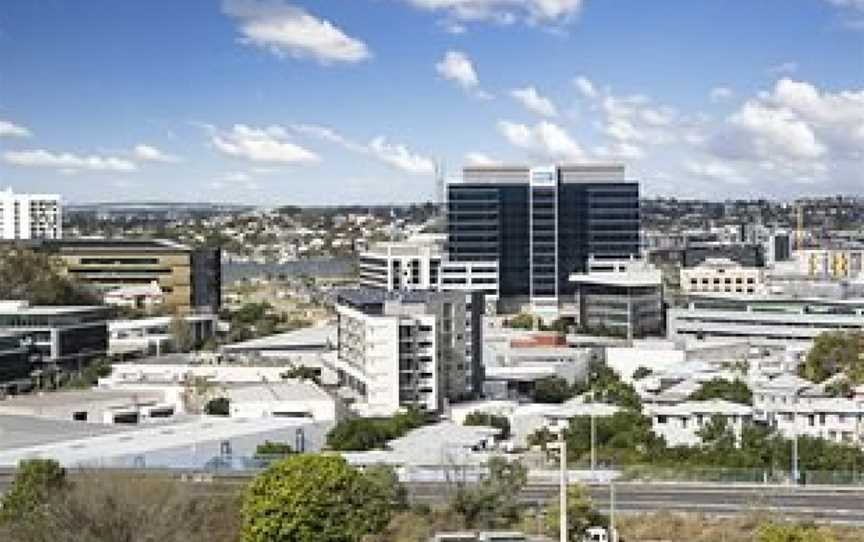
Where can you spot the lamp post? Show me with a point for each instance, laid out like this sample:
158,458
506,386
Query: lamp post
561,446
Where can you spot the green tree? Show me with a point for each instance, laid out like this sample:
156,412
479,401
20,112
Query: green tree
387,481
493,502
34,482
181,334
313,498
39,278
581,514
552,389
717,434
220,406
720,388
522,321
489,420
361,434
835,352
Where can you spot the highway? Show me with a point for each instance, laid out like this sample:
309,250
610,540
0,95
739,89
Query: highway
822,503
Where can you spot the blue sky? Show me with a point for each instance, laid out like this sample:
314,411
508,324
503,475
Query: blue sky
344,101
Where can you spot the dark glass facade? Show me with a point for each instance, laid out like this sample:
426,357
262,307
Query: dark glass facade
540,233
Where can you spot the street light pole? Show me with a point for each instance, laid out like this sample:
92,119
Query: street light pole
795,447
563,488
593,439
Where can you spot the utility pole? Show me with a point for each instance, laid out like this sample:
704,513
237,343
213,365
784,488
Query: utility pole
593,440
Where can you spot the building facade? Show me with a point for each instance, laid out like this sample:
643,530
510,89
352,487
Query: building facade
65,337
541,224
30,216
15,362
403,349
722,275
189,279
766,321
624,297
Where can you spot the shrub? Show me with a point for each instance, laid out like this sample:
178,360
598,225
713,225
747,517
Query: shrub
313,498
35,480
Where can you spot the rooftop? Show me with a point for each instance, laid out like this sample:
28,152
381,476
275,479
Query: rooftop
75,398
320,337
11,306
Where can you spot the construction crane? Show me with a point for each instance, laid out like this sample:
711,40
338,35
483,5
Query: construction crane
799,230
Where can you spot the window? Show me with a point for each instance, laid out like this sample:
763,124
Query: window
79,416
661,419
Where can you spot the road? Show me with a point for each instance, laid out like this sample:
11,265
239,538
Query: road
822,503
840,505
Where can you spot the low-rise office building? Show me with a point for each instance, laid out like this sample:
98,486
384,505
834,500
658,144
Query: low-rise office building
16,364
625,297
767,321
401,349
722,275
152,336
62,336
189,279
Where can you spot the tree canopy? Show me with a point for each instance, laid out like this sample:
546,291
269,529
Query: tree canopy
492,502
552,389
361,434
835,352
37,277
313,498
728,390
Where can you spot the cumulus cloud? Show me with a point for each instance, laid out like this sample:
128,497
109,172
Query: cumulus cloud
10,129
456,66
543,140
148,153
533,101
265,145
287,30
795,121
66,161
503,11
395,155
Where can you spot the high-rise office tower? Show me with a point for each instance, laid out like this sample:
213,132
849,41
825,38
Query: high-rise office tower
541,224
29,216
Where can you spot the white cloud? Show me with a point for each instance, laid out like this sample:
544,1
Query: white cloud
783,68
586,87
400,157
10,129
148,153
533,101
720,94
795,121
544,140
714,170
284,29
395,155
267,145
67,162
503,11
480,159
457,67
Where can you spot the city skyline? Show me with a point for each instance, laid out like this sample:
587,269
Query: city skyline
276,102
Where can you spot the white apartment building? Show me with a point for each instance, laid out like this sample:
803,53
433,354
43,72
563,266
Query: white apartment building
722,275
830,418
401,349
30,216
680,424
